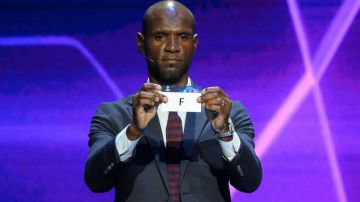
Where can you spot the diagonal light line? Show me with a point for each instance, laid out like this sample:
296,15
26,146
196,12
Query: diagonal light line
281,117
283,114
302,88
329,145
335,34
346,14
305,84
63,41
326,132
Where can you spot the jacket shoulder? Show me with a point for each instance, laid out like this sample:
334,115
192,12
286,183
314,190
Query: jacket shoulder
118,104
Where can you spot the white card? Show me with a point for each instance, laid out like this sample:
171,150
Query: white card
181,102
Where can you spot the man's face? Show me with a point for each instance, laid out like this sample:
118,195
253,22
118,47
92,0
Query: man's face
169,44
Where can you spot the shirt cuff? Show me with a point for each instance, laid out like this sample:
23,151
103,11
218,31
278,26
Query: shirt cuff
230,148
124,146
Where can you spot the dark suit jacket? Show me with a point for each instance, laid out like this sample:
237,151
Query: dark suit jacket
205,173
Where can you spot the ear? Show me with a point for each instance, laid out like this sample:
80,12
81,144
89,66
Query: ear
140,42
196,40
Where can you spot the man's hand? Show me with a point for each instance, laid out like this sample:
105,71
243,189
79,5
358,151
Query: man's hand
217,105
145,104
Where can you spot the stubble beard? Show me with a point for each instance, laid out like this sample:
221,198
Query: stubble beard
167,77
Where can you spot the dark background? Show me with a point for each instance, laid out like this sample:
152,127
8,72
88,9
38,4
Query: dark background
60,59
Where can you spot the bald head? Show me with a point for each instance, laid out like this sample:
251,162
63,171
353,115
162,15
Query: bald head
171,10
168,41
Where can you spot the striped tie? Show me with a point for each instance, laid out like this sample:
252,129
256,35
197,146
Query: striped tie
174,138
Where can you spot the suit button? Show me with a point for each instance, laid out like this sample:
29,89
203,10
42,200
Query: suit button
239,170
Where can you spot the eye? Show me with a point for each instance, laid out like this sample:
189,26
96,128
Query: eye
159,37
184,37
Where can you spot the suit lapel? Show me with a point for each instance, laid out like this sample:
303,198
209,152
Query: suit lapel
194,125
154,137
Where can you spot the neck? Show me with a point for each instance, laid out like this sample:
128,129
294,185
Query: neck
182,82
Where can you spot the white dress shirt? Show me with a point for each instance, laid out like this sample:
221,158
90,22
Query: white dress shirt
125,147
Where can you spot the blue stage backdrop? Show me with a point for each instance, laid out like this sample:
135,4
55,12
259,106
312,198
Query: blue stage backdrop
294,64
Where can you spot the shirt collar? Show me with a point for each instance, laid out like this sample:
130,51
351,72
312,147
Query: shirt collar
188,83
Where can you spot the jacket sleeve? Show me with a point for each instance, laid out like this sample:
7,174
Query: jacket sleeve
244,169
103,157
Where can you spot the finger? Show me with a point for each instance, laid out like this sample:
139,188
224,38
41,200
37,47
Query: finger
145,94
216,108
149,95
151,86
154,88
214,89
218,104
157,96
164,98
216,101
209,96
145,101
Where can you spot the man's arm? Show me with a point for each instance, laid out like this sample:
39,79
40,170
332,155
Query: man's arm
108,153
230,148
103,155
244,169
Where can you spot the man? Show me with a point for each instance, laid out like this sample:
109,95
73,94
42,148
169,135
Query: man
151,155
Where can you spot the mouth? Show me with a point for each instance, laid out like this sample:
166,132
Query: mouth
171,59
171,63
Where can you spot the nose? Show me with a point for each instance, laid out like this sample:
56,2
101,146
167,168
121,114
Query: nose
172,45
